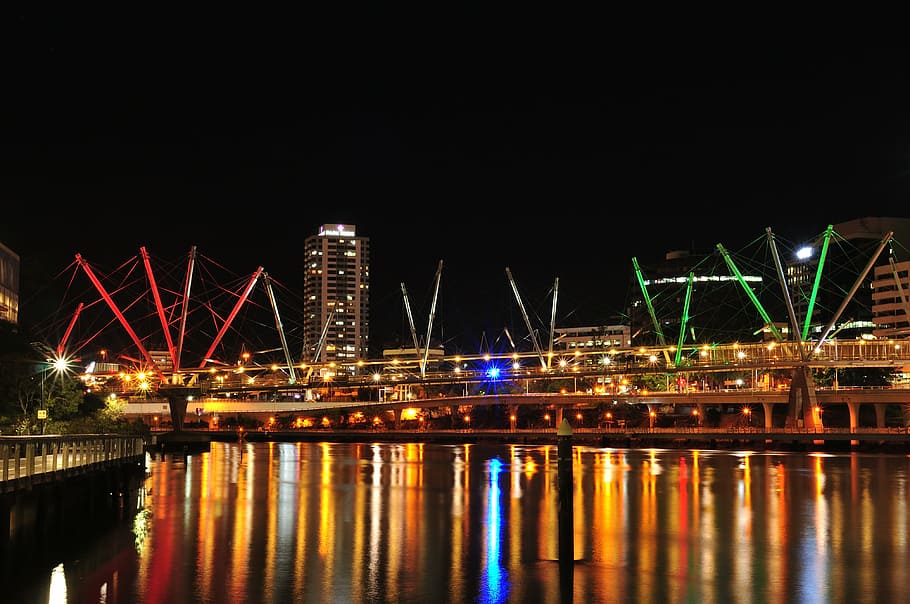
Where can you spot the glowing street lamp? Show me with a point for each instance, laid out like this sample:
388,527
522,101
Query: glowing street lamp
60,366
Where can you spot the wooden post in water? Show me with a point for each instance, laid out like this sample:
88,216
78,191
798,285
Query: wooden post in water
566,515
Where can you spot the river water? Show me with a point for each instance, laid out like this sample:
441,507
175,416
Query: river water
430,523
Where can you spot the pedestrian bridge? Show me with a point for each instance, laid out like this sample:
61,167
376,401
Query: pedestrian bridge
759,407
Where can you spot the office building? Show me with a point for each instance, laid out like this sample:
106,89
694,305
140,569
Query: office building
854,305
9,285
336,290
694,293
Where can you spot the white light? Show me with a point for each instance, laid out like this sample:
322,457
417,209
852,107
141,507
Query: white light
805,252
57,591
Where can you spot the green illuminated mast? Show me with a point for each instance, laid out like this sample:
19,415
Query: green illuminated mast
644,291
749,292
684,321
818,279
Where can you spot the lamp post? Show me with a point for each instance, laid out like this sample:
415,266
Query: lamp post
59,365
42,410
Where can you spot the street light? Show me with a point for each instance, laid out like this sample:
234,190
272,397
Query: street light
59,365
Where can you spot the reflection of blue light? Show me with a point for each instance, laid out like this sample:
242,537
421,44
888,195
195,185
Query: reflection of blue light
495,584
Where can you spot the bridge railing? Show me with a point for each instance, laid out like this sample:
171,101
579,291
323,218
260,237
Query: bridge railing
23,458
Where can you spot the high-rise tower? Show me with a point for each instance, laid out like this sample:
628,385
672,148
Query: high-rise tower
336,291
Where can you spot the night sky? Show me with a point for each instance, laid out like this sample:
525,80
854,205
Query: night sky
555,169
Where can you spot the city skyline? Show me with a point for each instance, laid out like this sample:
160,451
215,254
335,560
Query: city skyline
548,174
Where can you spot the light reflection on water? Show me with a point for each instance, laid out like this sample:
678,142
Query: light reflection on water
319,522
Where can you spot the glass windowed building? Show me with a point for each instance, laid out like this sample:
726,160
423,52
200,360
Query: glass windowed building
9,285
336,290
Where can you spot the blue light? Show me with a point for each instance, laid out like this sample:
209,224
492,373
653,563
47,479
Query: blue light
493,373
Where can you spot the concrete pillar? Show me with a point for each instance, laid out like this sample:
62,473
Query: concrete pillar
558,420
700,407
801,409
853,409
879,414
768,409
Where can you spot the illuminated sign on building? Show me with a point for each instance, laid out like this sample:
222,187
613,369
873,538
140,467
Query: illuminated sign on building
341,230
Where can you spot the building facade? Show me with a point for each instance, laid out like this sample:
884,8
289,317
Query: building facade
891,300
336,291
874,310
9,285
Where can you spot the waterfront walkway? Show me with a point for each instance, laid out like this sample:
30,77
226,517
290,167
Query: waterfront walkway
26,461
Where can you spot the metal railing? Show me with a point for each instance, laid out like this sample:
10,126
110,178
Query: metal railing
25,460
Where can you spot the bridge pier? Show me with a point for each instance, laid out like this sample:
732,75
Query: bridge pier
801,410
853,410
513,417
768,409
879,415
176,401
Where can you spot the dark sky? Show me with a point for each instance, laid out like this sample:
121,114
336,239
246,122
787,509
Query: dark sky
553,167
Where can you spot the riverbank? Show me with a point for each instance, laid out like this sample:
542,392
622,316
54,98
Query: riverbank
830,441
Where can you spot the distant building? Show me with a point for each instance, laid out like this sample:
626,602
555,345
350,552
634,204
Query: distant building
336,290
718,308
434,354
874,310
714,302
891,300
9,285
589,339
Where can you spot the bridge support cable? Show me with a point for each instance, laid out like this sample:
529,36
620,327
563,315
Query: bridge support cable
794,322
321,343
191,265
552,320
684,321
859,281
426,350
69,330
230,319
648,303
818,279
407,308
292,375
750,293
156,295
524,314
113,306
644,291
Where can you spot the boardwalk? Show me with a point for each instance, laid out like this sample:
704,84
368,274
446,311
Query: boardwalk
26,461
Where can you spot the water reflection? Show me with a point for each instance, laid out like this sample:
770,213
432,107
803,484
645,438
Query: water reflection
307,522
